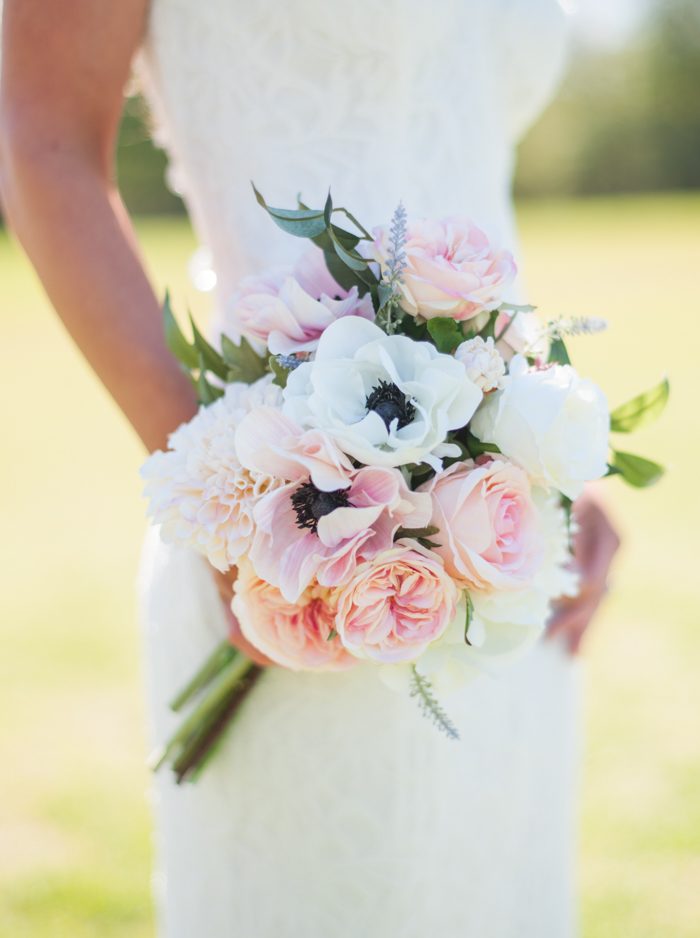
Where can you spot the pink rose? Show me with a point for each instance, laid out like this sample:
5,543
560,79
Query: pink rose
396,604
287,311
489,533
452,269
294,635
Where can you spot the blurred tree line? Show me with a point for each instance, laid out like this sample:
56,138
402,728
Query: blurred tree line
626,120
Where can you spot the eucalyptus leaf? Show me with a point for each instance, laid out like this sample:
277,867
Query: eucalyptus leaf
445,333
636,470
302,222
558,353
343,275
349,257
185,353
641,409
242,361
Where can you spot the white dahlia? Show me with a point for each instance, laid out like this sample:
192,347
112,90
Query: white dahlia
199,492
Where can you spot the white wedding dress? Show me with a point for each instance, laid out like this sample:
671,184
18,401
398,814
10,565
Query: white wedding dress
333,808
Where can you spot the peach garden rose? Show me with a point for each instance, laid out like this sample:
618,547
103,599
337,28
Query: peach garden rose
295,635
396,604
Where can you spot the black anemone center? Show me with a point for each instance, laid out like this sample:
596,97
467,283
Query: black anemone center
391,404
311,503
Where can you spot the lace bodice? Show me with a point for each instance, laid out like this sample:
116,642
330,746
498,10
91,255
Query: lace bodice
400,99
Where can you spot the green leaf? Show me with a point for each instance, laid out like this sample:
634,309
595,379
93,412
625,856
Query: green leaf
558,353
428,544
427,531
279,371
489,330
475,447
302,222
422,690
206,393
343,275
350,257
366,236
468,618
332,634
641,409
208,355
242,361
445,333
175,340
636,470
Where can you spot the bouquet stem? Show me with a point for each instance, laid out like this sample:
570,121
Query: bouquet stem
221,684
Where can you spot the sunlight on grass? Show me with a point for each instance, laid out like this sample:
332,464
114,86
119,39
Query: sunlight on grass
75,844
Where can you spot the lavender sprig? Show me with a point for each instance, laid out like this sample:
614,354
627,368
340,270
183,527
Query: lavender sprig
575,325
395,266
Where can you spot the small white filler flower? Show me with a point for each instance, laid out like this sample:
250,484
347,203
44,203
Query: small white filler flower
483,362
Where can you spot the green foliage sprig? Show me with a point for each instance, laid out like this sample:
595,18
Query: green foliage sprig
422,690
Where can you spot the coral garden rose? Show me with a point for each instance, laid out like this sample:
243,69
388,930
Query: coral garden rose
396,604
200,493
451,269
551,422
385,399
287,311
295,635
489,534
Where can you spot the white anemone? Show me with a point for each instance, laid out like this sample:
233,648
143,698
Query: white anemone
386,400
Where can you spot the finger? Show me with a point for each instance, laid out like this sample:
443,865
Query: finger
569,618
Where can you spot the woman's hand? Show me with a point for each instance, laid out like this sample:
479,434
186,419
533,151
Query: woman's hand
595,545
224,584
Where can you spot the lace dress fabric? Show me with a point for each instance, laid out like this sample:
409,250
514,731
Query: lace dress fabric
333,808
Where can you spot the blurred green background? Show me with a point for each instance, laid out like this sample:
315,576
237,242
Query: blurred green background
600,237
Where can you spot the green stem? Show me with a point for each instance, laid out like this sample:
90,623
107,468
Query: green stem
214,664
223,684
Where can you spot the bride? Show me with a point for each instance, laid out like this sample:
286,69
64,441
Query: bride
331,808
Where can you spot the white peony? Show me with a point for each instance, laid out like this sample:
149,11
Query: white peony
386,400
484,364
199,492
551,422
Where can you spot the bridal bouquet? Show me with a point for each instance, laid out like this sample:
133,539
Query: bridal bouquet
387,452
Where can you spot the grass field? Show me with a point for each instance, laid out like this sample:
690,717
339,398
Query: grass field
74,817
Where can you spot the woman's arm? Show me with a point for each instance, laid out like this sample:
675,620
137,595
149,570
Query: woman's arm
64,67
